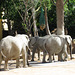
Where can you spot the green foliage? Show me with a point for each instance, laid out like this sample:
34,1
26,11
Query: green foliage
70,17
11,12
45,2
52,17
70,13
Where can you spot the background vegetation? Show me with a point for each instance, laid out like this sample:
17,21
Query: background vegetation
16,9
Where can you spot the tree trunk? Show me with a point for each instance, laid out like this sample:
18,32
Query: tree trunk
60,16
46,22
34,22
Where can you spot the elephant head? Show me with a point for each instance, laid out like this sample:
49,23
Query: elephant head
32,42
69,41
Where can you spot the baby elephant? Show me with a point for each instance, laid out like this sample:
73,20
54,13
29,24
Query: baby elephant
11,48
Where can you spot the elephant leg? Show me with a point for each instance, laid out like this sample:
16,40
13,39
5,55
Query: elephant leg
24,58
60,56
38,54
71,51
50,58
17,63
28,54
53,56
65,52
66,55
33,52
44,56
6,65
0,60
0,63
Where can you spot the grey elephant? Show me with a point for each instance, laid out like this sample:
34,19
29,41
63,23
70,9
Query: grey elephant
69,43
11,48
57,44
38,43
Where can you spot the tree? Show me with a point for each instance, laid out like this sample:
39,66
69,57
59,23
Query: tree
22,15
34,20
60,17
46,22
69,17
44,4
69,13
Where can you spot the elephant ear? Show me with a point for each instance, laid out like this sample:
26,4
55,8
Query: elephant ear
27,37
32,41
69,39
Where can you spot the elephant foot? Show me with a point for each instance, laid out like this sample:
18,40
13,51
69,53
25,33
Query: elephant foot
43,61
6,69
38,59
60,60
29,66
50,61
32,60
17,66
0,69
72,58
66,59
25,66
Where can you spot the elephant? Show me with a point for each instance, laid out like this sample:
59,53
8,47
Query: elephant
69,43
11,47
38,43
57,44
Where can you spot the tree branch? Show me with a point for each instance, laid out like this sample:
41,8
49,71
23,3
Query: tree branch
38,9
66,2
17,10
29,8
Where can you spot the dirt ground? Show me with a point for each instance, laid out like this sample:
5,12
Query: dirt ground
39,68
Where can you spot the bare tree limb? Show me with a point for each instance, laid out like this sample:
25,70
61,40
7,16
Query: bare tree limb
38,9
29,8
25,3
66,2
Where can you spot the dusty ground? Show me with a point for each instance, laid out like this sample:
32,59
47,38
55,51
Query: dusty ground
39,68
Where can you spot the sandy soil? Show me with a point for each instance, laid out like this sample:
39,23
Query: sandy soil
39,68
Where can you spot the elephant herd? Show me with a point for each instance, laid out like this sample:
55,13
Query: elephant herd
11,47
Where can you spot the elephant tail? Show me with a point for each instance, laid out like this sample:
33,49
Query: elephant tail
44,46
3,54
1,48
